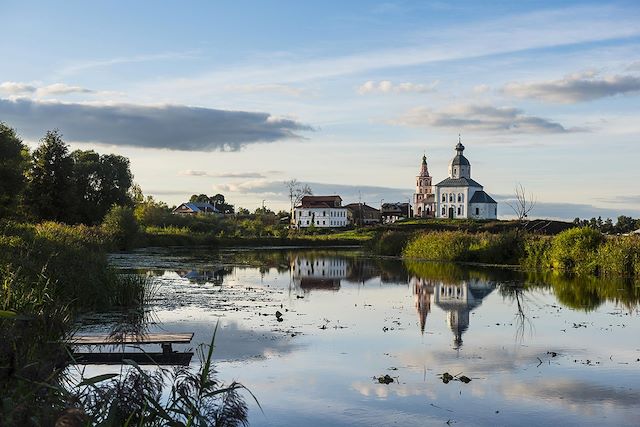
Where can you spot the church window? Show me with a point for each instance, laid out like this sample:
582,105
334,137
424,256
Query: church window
458,210
477,211
444,197
451,199
460,197
444,210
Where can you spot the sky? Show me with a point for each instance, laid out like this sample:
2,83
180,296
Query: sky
237,97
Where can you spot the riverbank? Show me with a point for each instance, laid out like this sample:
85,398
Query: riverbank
576,251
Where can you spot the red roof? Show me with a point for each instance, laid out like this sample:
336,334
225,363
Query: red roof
321,202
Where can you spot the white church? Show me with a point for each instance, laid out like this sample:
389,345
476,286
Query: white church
457,196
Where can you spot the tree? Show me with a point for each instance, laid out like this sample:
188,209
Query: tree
199,198
625,224
120,223
523,203
297,191
49,193
100,181
13,164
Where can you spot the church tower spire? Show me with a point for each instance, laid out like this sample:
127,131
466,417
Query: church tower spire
423,199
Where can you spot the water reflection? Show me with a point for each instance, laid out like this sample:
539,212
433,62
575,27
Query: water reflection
212,275
456,299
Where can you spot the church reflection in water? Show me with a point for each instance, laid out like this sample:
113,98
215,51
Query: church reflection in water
457,300
456,297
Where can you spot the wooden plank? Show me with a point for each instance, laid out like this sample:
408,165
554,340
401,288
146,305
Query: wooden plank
180,338
175,358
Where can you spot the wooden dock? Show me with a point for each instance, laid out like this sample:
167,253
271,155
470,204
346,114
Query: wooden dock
167,357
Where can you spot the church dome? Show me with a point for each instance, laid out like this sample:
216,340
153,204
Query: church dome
460,159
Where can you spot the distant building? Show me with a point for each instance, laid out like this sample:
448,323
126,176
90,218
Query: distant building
195,208
424,201
362,214
459,196
320,211
391,212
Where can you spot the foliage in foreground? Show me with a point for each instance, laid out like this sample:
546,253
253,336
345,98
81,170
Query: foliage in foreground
135,397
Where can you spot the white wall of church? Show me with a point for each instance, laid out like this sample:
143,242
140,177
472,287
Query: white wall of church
483,211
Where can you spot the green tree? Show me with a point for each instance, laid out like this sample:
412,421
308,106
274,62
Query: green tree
120,223
199,198
625,224
49,193
13,164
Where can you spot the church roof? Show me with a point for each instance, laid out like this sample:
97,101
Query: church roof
481,197
460,160
458,182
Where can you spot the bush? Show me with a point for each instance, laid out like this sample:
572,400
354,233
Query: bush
121,225
620,256
390,243
576,250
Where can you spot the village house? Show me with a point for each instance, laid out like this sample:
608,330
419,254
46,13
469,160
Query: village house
194,208
320,211
392,212
362,214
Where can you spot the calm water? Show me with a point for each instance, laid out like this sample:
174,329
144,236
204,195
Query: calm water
540,350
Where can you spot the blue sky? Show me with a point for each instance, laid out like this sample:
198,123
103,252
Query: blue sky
239,96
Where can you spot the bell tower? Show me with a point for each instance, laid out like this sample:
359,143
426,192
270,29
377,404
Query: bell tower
423,198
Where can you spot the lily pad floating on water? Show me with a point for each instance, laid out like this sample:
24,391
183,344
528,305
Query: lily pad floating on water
446,377
386,379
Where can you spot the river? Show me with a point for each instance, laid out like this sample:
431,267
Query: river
538,349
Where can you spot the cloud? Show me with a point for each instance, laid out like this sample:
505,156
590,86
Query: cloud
624,200
61,89
480,118
510,34
17,88
385,87
102,63
265,88
173,127
222,175
575,88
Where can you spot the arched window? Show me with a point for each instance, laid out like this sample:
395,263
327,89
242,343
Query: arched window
458,210
451,197
444,197
444,210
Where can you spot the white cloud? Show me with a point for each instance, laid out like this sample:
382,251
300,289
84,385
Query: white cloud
480,118
511,34
61,89
17,88
20,88
573,88
386,86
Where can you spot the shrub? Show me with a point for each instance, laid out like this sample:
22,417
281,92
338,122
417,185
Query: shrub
576,250
620,256
120,223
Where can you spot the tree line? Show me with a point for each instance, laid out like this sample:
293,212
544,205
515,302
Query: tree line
54,183
624,224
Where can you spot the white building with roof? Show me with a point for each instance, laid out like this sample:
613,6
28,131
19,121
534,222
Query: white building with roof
459,196
320,211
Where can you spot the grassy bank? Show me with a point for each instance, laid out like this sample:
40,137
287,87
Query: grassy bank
48,273
577,250
174,236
